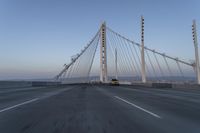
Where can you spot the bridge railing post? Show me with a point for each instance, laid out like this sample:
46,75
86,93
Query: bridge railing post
194,33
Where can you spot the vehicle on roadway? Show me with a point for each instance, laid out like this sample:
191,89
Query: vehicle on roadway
114,82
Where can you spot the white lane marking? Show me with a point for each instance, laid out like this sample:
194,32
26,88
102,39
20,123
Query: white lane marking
17,105
167,94
153,114
35,99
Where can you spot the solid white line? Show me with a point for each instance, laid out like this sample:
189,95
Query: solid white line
17,105
153,114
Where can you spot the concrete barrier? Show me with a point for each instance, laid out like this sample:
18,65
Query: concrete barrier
167,85
44,83
14,84
161,85
188,86
22,84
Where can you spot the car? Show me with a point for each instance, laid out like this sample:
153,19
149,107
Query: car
114,82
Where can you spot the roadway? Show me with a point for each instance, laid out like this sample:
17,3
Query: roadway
99,109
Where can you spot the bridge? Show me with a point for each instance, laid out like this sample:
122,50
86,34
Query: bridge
157,93
111,55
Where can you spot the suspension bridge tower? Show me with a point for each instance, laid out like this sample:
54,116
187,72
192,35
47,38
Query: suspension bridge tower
144,80
103,55
197,66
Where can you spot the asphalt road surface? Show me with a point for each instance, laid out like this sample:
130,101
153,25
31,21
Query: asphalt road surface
99,109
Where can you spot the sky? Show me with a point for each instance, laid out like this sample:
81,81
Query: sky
38,36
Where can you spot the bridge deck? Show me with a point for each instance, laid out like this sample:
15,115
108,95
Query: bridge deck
99,109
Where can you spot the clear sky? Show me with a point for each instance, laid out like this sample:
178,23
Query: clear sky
38,36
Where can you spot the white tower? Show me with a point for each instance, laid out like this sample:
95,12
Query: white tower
103,56
116,71
194,34
142,52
